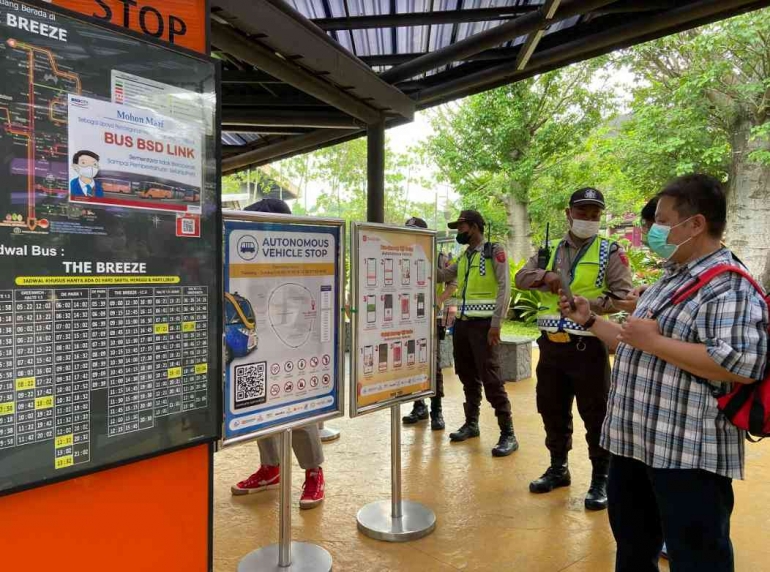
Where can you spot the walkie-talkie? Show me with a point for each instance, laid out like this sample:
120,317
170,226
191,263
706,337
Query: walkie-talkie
544,252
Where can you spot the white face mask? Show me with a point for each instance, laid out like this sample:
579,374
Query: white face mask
87,172
584,228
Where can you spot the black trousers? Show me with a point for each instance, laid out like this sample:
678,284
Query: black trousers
440,335
478,365
690,508
565,372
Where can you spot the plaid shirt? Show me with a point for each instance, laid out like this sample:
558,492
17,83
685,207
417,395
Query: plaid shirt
666,417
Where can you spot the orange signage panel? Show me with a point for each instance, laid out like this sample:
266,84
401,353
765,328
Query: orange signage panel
180,22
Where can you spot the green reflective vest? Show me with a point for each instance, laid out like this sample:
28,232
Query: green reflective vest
589,279
476,286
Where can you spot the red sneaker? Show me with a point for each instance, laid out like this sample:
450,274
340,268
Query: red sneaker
264,479
313,489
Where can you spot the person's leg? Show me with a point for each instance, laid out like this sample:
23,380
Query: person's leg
306,443
436,414
634,518
487,357
590,376
268,475
469,375
554,396
695,508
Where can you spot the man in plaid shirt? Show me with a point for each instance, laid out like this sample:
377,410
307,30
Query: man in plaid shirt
674,455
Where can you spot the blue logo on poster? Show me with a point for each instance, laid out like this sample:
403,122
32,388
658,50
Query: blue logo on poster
247,247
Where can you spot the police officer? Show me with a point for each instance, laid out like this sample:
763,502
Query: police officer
573,362
419,410
483,293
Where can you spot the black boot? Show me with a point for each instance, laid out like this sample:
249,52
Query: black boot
471,426
557,475
419,413
596,498
507,443
436,418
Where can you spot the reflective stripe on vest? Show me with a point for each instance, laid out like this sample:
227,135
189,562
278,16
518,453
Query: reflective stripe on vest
588,280
477,286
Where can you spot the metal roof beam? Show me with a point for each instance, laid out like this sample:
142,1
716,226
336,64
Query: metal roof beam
489,39
233,42
286,118
405,19
530,45
265,130
639,30
237,76
283,149
267,100
398,59
297,39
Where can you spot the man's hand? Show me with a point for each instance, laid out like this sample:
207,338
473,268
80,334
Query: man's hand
582,310
553,281
640,333
493,337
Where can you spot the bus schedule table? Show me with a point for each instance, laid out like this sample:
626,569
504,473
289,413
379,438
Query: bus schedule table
145,347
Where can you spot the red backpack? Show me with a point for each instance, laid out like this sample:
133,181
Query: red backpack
747,406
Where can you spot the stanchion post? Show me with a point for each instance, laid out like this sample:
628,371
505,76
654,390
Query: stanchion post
395,461
284,511
286,556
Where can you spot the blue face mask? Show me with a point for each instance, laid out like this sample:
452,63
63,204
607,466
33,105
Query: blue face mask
657,239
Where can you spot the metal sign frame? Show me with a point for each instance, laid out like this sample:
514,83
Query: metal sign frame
246,216
356,229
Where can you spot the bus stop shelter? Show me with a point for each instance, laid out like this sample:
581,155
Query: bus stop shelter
299,75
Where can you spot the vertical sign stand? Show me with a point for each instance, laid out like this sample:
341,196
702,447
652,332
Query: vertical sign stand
398,520
328,434
286,555
394,520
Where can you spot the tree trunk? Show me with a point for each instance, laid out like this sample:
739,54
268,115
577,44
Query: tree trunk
519,243
748,203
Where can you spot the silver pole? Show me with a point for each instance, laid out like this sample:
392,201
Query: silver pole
284,512
395,461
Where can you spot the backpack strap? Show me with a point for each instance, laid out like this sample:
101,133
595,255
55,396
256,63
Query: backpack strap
702,279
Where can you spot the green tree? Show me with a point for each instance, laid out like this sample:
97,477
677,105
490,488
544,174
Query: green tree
503,150
704,106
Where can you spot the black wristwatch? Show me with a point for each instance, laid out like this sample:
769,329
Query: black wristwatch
590,322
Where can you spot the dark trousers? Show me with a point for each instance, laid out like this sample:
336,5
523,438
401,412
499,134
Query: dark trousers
565,372
478,365
690,508
440,335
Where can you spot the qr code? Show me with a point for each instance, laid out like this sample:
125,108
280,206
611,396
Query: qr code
188,226
250,384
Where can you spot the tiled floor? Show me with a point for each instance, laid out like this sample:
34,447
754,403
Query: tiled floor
487,519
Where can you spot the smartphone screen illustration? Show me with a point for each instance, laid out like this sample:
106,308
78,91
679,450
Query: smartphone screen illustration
410,352
383,357
371,309
371,272
388,307
388,272
421,305
397,354
423,350
406,269
405,313
368,359
421,273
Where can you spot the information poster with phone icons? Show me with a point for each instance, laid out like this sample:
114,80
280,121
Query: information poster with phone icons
283,281
392,300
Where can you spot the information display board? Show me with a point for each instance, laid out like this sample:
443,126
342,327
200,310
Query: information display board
109,231
393,299
283,323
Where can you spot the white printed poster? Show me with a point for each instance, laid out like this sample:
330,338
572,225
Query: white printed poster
393,315
133,157
281,324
